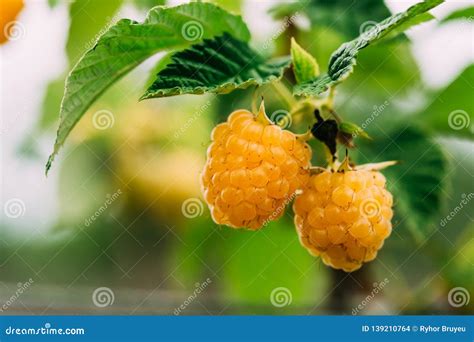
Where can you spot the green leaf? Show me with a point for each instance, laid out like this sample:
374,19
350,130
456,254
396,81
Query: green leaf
346,18
343,60
88,19
314,87
451,111
305,66
217,65
128,43
160,65
414,21
463,13
418,191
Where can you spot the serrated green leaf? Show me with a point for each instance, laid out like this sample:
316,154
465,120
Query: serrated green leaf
88,18
463,13
343,60
418,191
314,87
417,20
305,66
128,43
160,65
217,65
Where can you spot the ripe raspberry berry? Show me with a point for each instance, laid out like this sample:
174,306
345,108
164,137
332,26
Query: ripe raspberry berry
344,217
253,169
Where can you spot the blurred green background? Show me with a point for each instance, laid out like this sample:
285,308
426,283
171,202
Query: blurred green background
140,174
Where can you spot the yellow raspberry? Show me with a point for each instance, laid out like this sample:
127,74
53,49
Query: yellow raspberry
252,171
344,217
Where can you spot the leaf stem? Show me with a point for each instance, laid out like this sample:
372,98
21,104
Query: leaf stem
335,115
332,94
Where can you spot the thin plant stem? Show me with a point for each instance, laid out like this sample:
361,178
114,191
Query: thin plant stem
284,93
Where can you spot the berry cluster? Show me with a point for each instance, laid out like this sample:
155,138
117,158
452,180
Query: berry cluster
254,169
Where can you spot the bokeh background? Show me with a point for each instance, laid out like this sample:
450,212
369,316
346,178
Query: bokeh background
151,246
